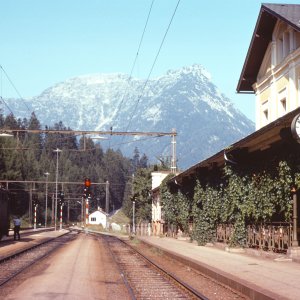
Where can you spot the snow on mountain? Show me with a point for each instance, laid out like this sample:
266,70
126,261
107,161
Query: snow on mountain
186,99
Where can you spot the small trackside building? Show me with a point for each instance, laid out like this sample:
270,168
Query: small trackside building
157,217
98,217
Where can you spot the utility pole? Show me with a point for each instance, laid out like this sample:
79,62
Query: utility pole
107,197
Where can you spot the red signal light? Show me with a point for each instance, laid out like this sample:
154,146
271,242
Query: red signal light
87,182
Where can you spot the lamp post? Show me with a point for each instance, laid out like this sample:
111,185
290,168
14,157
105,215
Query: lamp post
47,174
56,179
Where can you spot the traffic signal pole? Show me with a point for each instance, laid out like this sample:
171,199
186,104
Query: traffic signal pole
86,192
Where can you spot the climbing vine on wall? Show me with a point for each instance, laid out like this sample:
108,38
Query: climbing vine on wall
169,207
239,199
176,206
206,213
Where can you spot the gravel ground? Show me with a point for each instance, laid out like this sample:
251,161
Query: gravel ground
81,269
207,286
85,267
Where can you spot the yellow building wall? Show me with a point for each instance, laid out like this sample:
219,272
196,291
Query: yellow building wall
282,81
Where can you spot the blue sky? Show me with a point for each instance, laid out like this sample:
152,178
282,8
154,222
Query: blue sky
45,42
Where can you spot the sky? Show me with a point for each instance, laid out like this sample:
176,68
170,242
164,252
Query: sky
45,42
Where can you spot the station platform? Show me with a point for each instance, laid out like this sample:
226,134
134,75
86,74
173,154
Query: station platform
10,247
257,277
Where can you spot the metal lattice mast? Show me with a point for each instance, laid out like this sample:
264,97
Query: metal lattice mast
173,158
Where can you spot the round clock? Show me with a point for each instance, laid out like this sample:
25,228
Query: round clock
295,127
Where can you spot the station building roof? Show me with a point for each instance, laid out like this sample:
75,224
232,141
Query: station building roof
268,16
277,132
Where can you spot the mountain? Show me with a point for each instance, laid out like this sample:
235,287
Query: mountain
185,99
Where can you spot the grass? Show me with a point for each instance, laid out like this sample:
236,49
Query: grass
119,218
95,227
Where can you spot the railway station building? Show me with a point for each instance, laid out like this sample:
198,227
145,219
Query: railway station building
252,186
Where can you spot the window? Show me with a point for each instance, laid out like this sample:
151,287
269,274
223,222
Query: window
93,219
265,113
282,104
266,116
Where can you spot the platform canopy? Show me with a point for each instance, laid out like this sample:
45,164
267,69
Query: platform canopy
260,146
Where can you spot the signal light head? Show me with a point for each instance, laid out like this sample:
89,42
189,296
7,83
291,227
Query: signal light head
87,182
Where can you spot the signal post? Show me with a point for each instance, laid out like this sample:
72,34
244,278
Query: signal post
87,195
61,203
35,204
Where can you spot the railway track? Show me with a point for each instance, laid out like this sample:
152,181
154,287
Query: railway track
143,278
13,265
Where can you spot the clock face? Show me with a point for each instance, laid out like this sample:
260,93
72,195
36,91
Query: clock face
295,128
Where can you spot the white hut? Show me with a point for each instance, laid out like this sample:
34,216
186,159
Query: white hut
98,217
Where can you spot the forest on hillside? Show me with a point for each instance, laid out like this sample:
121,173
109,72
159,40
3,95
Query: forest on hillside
26,158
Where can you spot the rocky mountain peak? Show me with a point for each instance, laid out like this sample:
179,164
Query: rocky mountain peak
194,70
184,99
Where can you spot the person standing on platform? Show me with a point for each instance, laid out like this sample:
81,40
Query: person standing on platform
17,225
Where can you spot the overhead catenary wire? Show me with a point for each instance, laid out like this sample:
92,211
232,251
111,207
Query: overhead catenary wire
7,106
14,87
134,62
152,136
129,142
152,67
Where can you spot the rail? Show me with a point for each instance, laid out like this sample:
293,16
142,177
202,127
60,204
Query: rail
142,276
